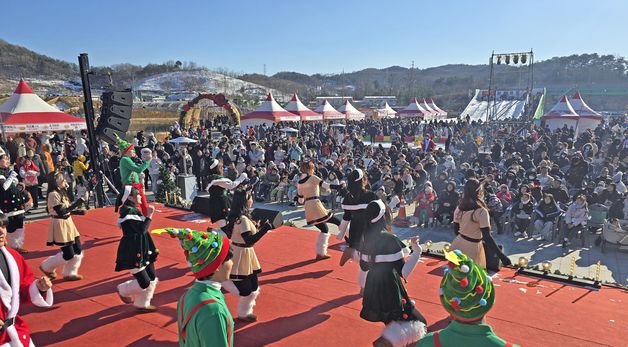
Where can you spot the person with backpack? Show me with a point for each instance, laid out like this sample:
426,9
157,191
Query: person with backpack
495,208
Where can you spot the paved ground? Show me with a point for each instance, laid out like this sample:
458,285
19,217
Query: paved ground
613,269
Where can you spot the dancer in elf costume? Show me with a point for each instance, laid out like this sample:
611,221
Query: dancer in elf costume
12,203
245,264
130,171
385,298
354,219
202,314
308,191
219,197
136,252
62,232
18,286
467,293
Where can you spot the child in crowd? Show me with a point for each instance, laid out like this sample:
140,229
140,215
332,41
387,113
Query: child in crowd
424,210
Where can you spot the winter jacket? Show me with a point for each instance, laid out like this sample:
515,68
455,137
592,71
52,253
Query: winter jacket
577,215
80,167
523,211
546,212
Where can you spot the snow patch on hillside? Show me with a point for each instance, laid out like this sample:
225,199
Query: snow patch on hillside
202,81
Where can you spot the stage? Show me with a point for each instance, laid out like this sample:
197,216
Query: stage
302,302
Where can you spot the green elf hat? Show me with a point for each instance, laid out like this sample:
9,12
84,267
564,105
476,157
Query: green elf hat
204,251
123,146
466,291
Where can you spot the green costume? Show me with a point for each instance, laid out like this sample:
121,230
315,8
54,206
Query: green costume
211,323
467,293
462,334
202,314
130,172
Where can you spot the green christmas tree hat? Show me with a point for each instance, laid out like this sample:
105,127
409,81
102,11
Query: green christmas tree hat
123,146
466,291
204,251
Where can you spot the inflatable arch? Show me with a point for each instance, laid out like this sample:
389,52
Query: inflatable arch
219,99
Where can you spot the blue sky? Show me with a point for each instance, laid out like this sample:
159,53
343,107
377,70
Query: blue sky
313,36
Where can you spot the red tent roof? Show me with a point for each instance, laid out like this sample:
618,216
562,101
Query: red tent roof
295,106
413,110
328,111
24,111
270,110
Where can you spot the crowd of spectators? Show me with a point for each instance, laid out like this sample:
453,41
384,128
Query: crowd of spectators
533,178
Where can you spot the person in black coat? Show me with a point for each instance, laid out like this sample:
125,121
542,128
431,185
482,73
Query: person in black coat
578,170
136,252
546,212
522,210
558,192
609,196
447,202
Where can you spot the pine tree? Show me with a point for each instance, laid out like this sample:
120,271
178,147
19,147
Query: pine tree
168,185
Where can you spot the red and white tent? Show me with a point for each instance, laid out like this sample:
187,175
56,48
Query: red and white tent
24,111
441,113
268,112
295,106
413,110
328,111
431,112
350,111
561,114
387,111
589,119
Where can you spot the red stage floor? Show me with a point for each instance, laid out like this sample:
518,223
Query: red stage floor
302,302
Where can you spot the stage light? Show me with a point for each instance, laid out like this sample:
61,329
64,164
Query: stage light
499,59
523,262
447,247
515,59
546,266
508,59
524,58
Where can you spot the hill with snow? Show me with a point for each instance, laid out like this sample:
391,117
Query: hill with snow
201,80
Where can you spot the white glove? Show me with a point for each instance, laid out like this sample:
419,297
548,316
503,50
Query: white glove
243,176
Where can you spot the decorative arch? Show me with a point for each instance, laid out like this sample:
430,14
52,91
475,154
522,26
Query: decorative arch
218,99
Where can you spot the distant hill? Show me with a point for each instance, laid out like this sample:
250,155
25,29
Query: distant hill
603,79
17,61
606,76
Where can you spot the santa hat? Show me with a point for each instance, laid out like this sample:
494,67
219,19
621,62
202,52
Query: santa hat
204,251
466,291
123,146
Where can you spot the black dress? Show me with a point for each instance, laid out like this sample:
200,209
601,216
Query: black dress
385,298
354,211
136,248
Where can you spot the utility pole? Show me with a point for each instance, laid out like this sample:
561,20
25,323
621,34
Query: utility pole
264,69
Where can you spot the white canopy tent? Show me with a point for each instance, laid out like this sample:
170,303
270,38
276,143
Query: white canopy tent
295,106
328,111
560,115
589,119
431,113
387,111
268,112
24,111
350,112
441,113
413,110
